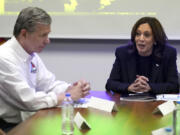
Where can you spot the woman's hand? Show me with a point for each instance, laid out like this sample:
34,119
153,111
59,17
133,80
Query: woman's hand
140,85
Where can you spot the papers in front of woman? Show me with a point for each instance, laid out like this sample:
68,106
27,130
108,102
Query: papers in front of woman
167,97
140,97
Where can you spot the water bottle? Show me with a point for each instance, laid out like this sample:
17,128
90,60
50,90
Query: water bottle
176,119
67,115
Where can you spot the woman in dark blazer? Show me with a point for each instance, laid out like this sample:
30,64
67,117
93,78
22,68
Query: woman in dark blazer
147,63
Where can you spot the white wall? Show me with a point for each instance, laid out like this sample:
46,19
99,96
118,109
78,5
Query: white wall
71,60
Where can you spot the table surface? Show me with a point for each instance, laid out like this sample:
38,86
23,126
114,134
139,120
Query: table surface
133,118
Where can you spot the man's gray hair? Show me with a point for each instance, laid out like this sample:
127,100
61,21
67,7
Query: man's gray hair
29,17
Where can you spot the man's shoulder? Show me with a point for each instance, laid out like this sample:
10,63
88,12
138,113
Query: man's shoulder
7,53
5,50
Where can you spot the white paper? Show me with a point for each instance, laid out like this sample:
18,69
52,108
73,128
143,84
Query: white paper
137,99
165,108
140,97
102,104
167,97
161,131
81,122
81,103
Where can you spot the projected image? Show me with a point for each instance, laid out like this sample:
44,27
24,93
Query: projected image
87,5
101,19
74,7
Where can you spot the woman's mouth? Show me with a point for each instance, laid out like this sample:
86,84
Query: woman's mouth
141,46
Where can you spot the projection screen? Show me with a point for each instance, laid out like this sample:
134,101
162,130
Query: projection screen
95,19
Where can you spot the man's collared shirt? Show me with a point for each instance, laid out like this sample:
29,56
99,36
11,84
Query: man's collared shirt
25,83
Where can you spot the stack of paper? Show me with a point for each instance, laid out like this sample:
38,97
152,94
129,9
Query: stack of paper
167,97
141,97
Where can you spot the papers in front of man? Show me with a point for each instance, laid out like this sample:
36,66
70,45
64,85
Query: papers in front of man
96,103
81,103
167,97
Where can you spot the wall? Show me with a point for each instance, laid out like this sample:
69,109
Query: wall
74,59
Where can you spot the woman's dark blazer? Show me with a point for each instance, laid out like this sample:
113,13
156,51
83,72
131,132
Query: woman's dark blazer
164,73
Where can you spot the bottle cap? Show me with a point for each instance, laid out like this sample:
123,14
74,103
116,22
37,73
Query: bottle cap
168,129
178,102
68,94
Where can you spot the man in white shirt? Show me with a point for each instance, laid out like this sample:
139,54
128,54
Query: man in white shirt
25,83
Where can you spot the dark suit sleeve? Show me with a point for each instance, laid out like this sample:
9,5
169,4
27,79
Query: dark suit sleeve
168,80
115,82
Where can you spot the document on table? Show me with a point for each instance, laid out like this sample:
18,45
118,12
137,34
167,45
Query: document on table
167,97
161,131
141,97
81,103
97,103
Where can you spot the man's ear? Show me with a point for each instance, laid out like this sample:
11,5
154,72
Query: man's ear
23,33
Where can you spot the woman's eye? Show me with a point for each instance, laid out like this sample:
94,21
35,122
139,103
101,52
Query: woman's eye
138,34
147,34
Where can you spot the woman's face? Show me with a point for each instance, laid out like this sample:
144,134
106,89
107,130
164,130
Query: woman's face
144,40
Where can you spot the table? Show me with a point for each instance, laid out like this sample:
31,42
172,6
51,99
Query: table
133,118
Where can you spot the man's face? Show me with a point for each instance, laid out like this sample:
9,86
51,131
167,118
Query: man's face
37,40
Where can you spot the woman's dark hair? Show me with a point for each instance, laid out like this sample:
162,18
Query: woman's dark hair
159,35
